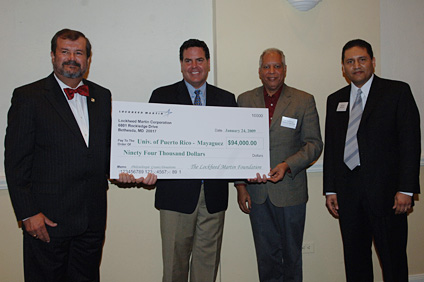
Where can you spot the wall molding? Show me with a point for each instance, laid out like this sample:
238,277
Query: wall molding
416,278
318,166
3,184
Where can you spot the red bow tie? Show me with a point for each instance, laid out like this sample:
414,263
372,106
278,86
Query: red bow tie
82,90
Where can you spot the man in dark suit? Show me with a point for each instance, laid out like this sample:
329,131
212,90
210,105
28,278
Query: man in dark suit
192,210
277,208
371,165
57,161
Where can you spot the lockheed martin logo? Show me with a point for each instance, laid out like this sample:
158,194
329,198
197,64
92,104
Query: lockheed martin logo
167,113
156,113
159,113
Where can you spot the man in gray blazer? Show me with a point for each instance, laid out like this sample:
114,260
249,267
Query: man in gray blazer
276,202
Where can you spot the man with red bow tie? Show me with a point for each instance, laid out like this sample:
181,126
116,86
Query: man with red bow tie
56,162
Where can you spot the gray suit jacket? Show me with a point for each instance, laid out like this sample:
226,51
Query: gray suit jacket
298,147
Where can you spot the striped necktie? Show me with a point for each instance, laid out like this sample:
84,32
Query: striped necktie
351,152
197,100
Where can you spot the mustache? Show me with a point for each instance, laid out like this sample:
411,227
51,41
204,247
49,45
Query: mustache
72,63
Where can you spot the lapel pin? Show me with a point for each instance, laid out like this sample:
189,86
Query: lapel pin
93,100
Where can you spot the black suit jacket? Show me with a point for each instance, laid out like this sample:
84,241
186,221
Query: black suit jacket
182,195
49,167
388,140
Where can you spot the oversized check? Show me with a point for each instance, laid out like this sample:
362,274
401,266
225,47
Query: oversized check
184,141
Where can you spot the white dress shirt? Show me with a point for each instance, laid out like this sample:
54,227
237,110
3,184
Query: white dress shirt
79,108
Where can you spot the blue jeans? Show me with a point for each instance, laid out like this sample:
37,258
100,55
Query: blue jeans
278,236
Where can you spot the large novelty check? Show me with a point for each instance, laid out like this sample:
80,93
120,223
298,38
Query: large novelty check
179,141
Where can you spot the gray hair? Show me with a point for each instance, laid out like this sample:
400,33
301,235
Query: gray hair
272,50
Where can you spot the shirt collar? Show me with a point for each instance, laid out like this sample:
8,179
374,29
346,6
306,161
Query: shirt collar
191,90
276,94
63,85
365,91
365,88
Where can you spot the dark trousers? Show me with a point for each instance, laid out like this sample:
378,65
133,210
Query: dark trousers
278,236
359,227
68,259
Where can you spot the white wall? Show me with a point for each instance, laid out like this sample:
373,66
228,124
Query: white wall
312,42
135,43
135,50
131,65
402,47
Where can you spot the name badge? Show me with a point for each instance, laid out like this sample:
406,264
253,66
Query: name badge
289,122
342,107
